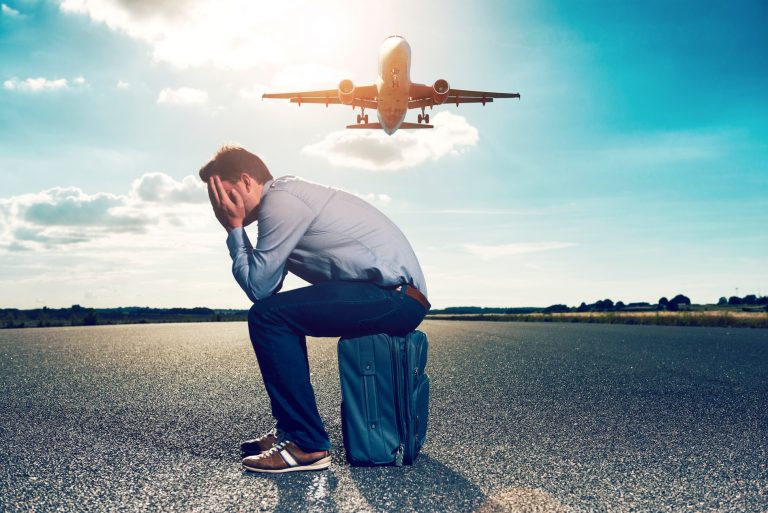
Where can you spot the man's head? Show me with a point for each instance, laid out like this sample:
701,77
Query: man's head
241,170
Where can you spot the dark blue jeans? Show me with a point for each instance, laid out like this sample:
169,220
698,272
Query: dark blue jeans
278,326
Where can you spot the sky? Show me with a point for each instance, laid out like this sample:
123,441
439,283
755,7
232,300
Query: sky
634,166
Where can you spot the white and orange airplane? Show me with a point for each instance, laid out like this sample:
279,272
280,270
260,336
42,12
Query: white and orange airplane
393,93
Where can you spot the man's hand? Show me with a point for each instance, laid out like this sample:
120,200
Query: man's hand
228,207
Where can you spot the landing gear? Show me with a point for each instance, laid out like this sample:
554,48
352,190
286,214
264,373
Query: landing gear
423,116
362,117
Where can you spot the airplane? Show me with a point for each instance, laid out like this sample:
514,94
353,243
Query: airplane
393,93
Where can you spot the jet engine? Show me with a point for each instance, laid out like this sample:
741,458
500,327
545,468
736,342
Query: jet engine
346,92
440,91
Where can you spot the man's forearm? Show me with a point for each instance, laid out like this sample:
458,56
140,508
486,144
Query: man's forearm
257,273
239,250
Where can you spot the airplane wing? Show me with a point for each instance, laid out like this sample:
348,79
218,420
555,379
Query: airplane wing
368,104
464,93
457,96
327,93
361,94
427,102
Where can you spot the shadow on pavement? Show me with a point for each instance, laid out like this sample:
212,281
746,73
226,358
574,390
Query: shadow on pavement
426,486
299,491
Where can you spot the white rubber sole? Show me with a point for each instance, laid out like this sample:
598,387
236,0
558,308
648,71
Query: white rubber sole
318,465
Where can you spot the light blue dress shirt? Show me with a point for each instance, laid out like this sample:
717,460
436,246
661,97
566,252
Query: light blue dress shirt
320,233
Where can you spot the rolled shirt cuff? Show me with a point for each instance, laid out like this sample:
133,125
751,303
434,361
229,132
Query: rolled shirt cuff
237,241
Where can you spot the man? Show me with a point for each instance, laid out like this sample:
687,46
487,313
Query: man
365,279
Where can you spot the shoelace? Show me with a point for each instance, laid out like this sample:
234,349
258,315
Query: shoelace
279,446
277,433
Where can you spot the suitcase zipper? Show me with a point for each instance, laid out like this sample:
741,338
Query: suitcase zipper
408,398
397,364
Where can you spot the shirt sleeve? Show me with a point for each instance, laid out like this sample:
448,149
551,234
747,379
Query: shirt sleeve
283,221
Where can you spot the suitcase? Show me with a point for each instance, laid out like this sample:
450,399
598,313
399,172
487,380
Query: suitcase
384,398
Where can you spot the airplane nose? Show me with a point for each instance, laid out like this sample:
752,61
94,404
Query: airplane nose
393,43
401,43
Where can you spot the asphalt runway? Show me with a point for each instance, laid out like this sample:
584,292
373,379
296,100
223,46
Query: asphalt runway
524,417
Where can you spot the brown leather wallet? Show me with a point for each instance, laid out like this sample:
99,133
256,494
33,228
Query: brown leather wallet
413,292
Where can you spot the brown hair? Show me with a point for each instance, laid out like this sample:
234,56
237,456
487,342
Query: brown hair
230,161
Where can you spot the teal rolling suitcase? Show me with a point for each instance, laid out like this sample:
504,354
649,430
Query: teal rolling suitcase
384,398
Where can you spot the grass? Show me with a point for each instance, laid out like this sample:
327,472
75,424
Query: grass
713,318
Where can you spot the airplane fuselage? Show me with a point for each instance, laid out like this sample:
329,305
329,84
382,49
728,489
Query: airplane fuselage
394,83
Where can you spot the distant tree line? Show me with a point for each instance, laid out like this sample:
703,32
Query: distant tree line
677,303
77,315
486,310
673,304
750,300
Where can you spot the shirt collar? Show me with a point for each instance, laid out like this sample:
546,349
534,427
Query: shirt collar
266,187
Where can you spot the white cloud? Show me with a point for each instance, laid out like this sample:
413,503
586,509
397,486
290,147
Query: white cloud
122,85
375,150
9,11
154,244
70,206
35,84
233,34
161,188
230,34
182,96
41,84
63,216
489,252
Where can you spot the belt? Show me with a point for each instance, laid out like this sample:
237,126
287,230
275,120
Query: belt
413,292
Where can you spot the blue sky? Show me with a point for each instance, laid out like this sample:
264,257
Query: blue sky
634,166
